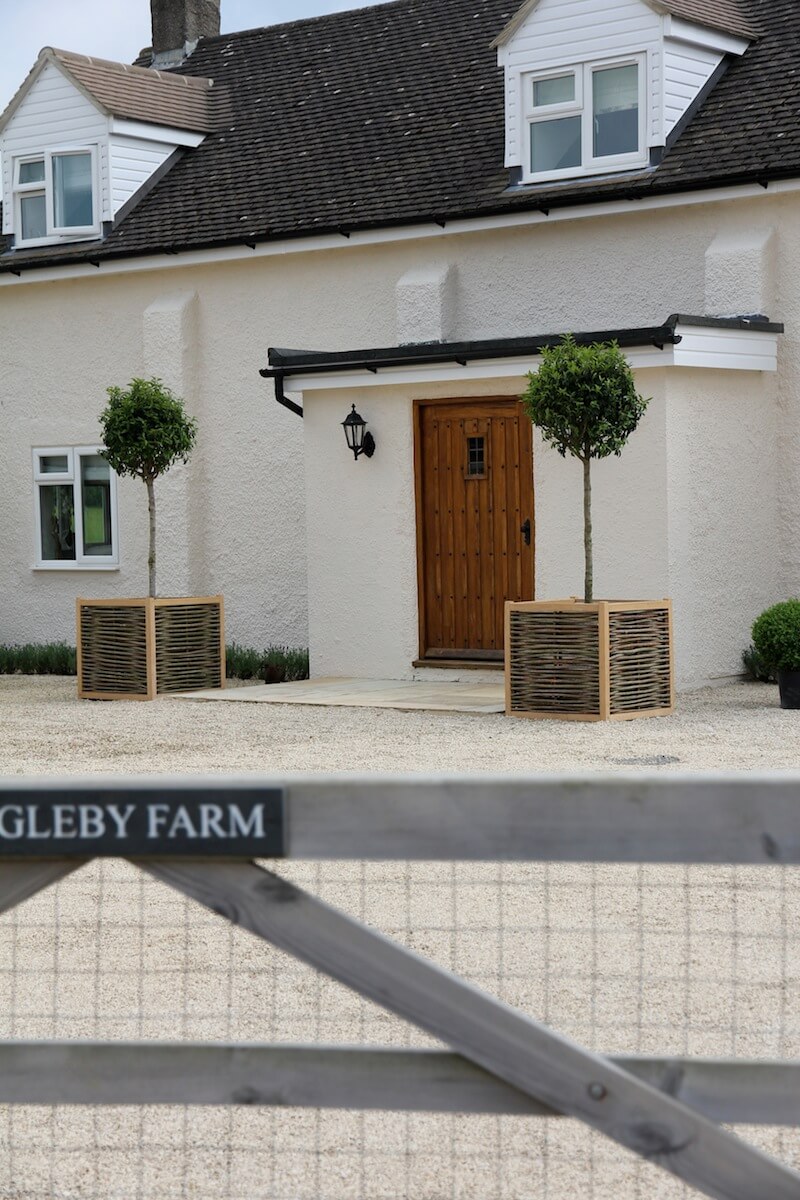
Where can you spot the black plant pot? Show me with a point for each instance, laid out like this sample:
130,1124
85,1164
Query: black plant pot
789,686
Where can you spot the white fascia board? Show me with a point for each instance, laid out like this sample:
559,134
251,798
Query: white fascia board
709,39
491,368
703,347
405,233
722,349
155,133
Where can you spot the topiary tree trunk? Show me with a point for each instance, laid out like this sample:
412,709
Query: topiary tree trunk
151,556
588,578
584,400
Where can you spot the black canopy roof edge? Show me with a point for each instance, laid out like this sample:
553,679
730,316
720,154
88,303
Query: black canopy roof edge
283,363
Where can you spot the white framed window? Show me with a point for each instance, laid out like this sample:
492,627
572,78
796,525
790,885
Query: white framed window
585,119
56,195
75,501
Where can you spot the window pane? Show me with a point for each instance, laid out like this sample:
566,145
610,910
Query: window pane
616,111
34,217
57,522
556,145
476,456
96,502
72,187
53,464
32,172
560,90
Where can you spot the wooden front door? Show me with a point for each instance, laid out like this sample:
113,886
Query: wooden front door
474,464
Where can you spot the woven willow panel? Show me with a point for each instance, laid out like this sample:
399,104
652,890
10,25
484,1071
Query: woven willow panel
188,647
639,652
554,662
113,650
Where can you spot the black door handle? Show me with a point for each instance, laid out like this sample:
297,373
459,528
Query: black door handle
525,530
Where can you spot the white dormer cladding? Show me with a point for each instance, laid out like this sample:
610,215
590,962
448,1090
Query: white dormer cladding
53,114
136,151
674,60
56,118
691,56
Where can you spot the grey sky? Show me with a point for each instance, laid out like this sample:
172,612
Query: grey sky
118,29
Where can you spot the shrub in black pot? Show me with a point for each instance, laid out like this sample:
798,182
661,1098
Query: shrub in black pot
776,637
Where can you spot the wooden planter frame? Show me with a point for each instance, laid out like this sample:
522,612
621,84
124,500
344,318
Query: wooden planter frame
583,665
146,659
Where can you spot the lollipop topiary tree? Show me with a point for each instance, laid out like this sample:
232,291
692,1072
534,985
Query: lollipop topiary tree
590,660
145,431
584,401
140,648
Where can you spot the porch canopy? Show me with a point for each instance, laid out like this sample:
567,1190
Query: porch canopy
745,343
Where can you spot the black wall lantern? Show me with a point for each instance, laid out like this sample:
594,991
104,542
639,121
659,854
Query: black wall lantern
354,430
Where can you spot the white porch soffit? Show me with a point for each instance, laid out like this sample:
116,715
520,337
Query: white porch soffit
715,343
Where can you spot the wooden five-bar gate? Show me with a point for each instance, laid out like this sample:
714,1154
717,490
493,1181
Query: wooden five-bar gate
202,837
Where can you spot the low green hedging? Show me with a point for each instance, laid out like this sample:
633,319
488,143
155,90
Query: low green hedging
276,664
45,658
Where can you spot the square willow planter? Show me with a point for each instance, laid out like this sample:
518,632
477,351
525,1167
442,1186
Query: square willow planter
143,648
607,661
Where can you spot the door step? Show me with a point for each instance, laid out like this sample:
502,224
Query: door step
459,664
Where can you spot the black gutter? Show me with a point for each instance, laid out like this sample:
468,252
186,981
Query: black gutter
282,398
283,363
516,206
295,362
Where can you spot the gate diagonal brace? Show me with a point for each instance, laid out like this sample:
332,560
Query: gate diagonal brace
21,880
517,1049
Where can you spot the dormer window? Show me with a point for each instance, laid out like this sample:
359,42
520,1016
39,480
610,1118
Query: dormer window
585,119
82,138
56,195
591,93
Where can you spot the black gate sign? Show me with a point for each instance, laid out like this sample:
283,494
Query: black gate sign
225,822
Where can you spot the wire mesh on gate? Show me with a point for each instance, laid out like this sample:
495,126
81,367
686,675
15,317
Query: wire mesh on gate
625,959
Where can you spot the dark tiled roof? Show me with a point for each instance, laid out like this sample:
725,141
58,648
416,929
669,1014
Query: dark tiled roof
393,114
728,16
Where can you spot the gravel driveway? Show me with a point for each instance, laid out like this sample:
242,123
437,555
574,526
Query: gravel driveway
623,958
45,729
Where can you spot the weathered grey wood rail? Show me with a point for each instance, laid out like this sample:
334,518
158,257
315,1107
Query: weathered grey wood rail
738,818
504,1061
358,1077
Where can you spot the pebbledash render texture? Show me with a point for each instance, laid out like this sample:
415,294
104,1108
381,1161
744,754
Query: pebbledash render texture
346,186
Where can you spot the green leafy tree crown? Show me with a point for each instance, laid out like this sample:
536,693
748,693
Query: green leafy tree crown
584,401
145,429
776,636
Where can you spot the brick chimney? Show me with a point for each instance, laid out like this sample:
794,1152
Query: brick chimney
178,26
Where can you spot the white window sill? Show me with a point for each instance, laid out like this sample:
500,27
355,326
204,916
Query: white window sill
596,170
94,235
75,567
